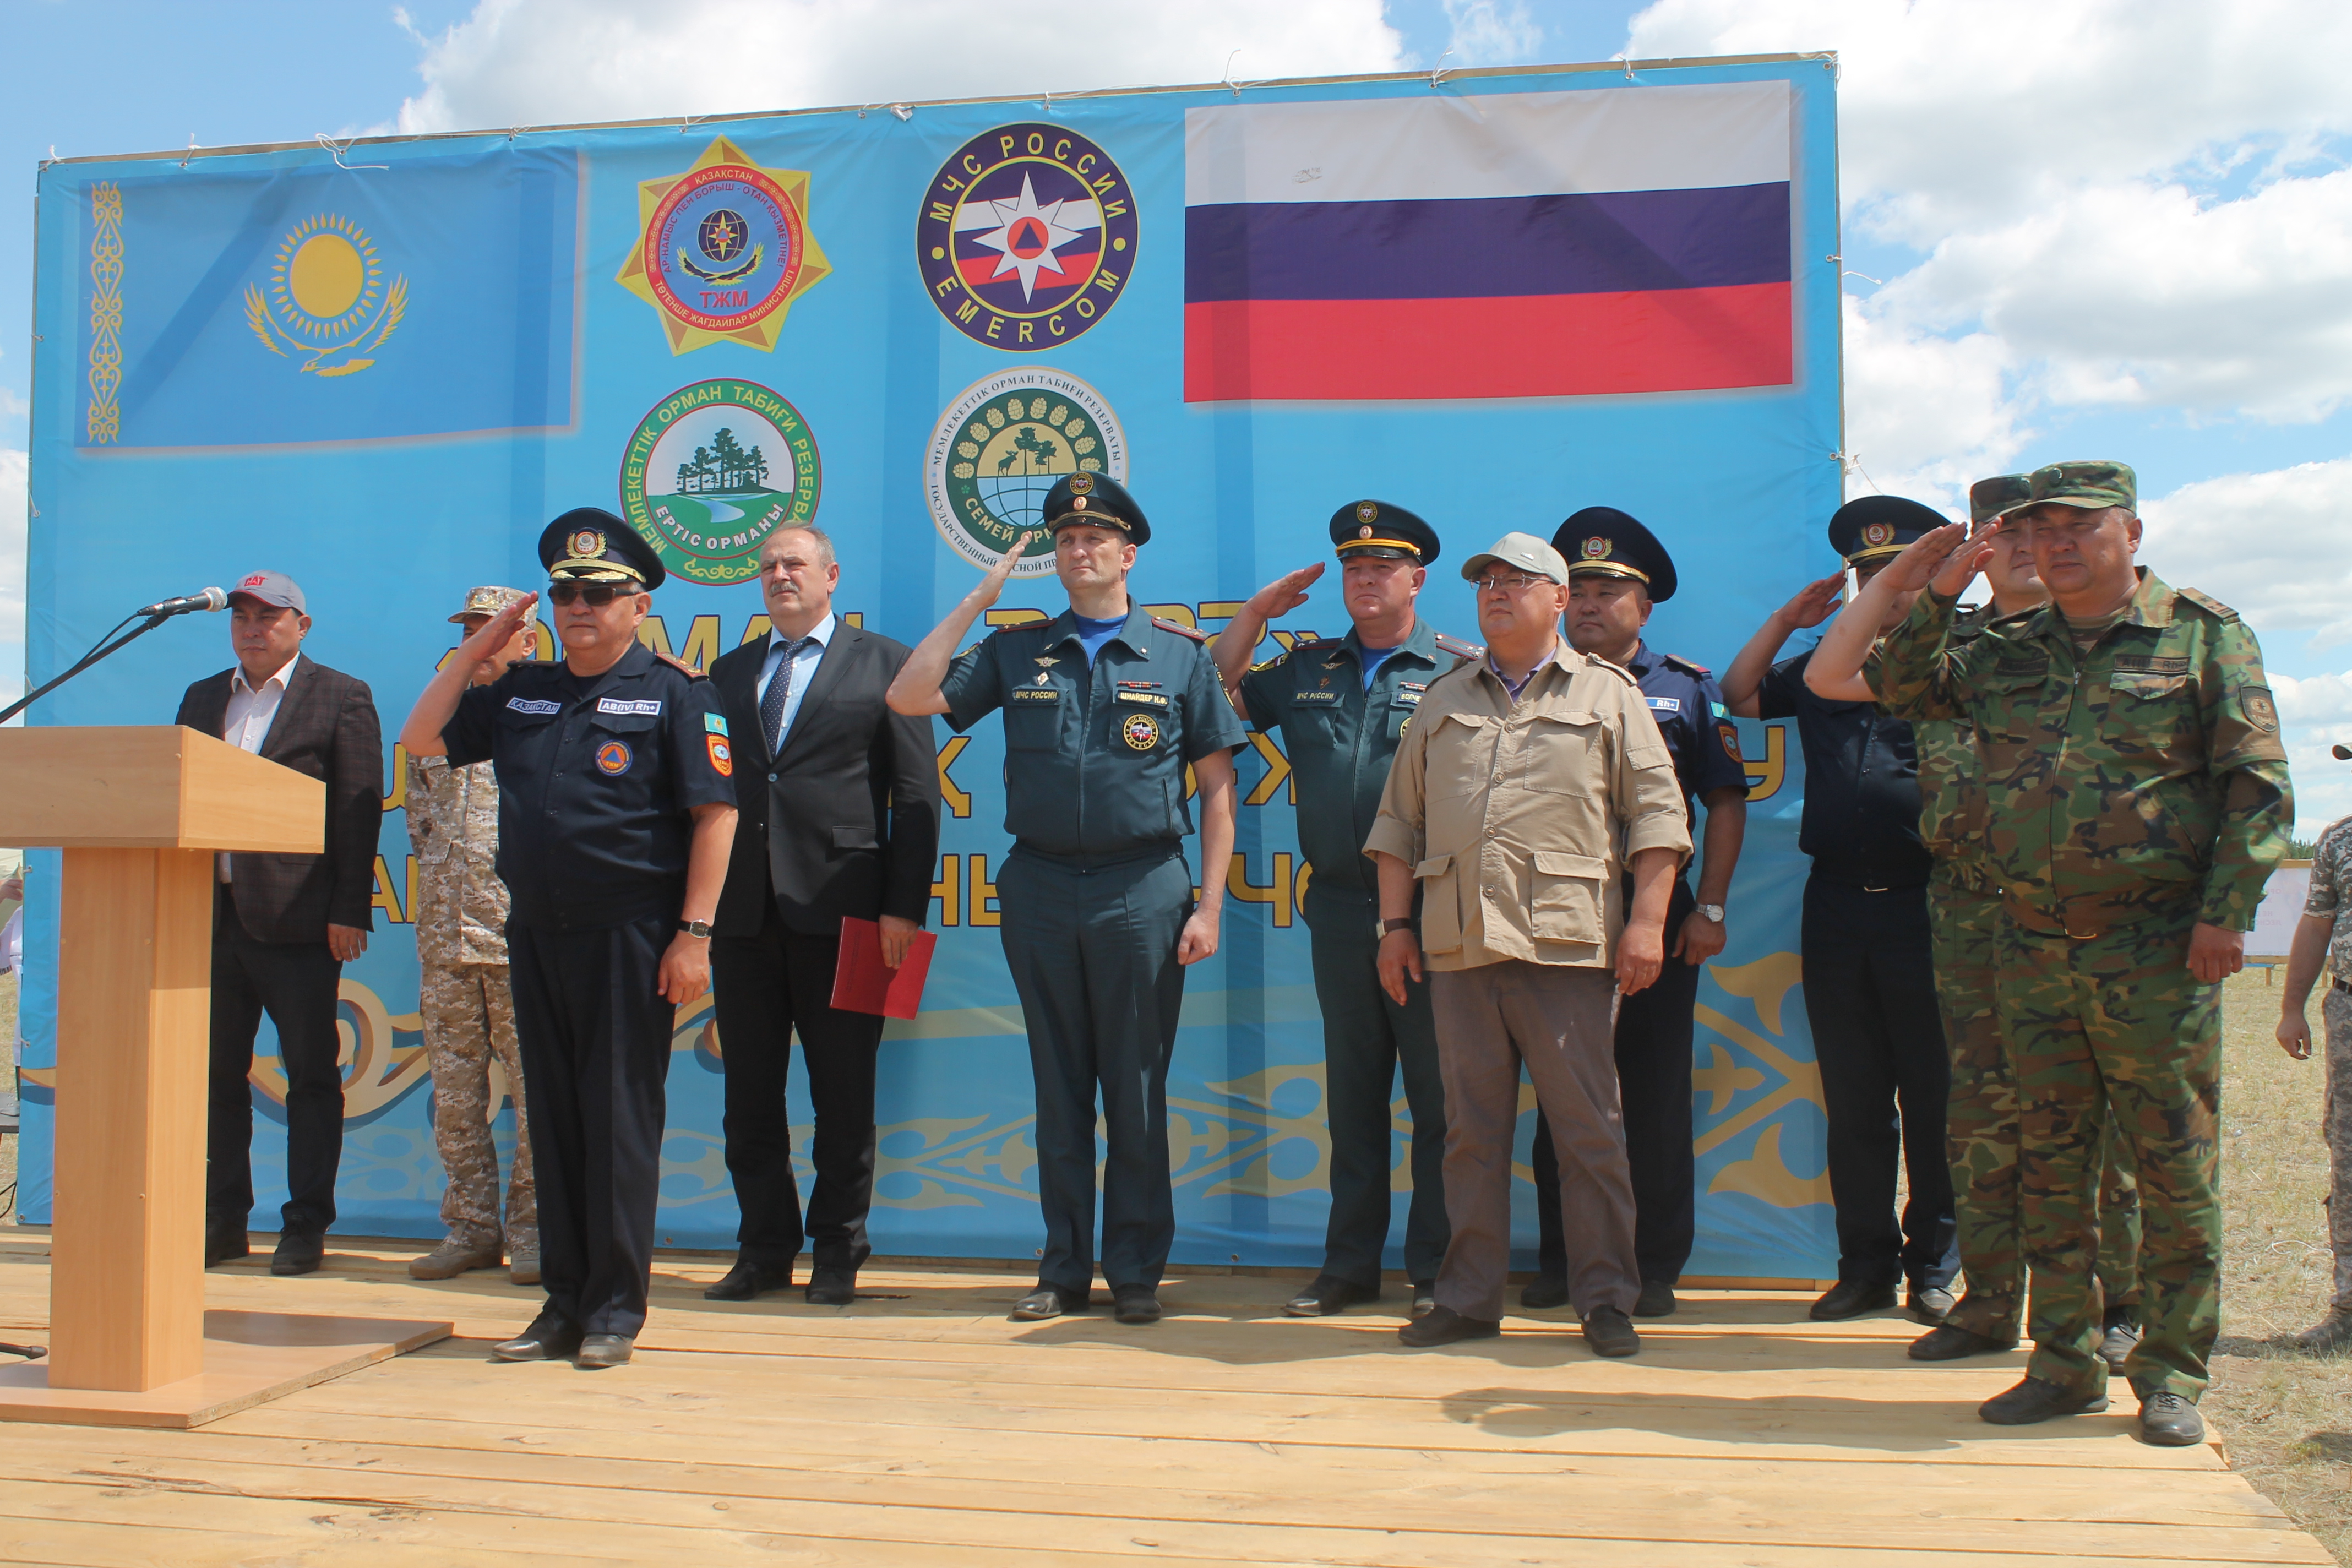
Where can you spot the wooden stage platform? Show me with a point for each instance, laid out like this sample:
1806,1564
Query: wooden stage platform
921,1427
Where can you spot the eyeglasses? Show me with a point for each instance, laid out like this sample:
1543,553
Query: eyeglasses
598,594
1516,583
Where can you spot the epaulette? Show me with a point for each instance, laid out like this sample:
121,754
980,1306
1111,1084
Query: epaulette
676,663
1456,647
1269,663
1619,670
1689,667
1180,629
2207,602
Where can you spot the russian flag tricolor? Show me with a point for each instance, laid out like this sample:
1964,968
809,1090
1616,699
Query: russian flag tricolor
1511,244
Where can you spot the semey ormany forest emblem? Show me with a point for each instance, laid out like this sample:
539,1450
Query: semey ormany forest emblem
724,249
327,301
1027,235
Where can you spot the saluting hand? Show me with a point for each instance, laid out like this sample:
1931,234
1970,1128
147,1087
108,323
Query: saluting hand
992,584
1284,594
1965,560
496,631
1813,602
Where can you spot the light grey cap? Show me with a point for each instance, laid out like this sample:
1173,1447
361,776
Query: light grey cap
270,588
1524,550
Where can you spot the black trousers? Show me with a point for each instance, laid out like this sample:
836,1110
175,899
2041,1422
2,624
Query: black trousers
1093,955
1653,1081
595,1037
1367,1040
296,983
767,986
1870,994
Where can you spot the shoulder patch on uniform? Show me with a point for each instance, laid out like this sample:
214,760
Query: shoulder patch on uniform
1269,663
1688,666
1457,648
1180,629
680,666
2207,602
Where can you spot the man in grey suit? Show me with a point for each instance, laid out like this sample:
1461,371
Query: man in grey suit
838,814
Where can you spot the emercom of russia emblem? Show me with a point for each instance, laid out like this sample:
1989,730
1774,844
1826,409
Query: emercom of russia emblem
724,249
1001,445
1026,236
712,471
327,303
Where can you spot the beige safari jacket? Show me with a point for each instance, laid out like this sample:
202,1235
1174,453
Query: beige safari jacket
1519,818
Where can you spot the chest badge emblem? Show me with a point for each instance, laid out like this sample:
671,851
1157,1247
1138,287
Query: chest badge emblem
614,757
1140,730
1043,678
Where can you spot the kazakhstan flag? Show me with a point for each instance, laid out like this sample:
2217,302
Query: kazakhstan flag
437,296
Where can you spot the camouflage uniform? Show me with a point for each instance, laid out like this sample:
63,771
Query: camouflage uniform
461,946
1967,926
2331,891
2132,791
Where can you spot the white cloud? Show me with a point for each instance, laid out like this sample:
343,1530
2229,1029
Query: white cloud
2133,200
540,62
1491,33
2272,546
1926,415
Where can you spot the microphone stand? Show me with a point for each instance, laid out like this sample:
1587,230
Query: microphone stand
103,648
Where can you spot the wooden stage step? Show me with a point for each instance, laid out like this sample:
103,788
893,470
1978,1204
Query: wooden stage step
919,1427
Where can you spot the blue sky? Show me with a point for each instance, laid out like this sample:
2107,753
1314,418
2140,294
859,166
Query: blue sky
2036,269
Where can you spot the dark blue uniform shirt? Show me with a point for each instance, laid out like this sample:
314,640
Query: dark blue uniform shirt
1340,737
1687,703
1862,784
1094,757
598,777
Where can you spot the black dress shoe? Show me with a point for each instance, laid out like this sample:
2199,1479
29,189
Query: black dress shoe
2039,1399
1544,1292
1424,1297
225,1244
1443,1326
833,1287
551,1337
2169,1421
1610,1332
1929,1304
1047,1302
1136,1304
2120,1338
746,1279
1852,1297
605,1350
299,1252
1328,1295
1948,1341
1656,1300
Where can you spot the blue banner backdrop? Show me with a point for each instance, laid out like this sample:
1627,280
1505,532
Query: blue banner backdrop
382,378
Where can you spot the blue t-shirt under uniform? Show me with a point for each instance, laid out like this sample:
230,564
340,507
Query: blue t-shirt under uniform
1093,634
1372,658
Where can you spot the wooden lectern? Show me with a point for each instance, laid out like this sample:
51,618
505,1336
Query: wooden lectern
139,813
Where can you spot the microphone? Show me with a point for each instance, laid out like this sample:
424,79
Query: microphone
210,599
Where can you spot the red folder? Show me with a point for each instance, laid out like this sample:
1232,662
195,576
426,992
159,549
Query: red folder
861,983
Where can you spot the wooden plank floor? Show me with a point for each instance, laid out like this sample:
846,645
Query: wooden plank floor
921,1427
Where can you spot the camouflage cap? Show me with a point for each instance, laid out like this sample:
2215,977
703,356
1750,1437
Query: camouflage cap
486,602
1989,499
2089,485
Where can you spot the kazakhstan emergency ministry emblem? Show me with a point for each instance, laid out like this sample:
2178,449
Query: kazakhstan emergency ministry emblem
1026,236
1001,445
724,249
327,303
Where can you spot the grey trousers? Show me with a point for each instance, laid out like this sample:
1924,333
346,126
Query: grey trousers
1560,1022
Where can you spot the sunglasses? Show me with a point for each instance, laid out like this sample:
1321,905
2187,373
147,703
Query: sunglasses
598,594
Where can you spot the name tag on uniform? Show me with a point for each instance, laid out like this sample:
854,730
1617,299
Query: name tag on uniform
627,705
1408,697
1323,696
1666,704
1037,694
2152,664
1148,699
533,705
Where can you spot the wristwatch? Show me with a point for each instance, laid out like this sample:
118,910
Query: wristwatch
1403,922
698,930
1712,911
